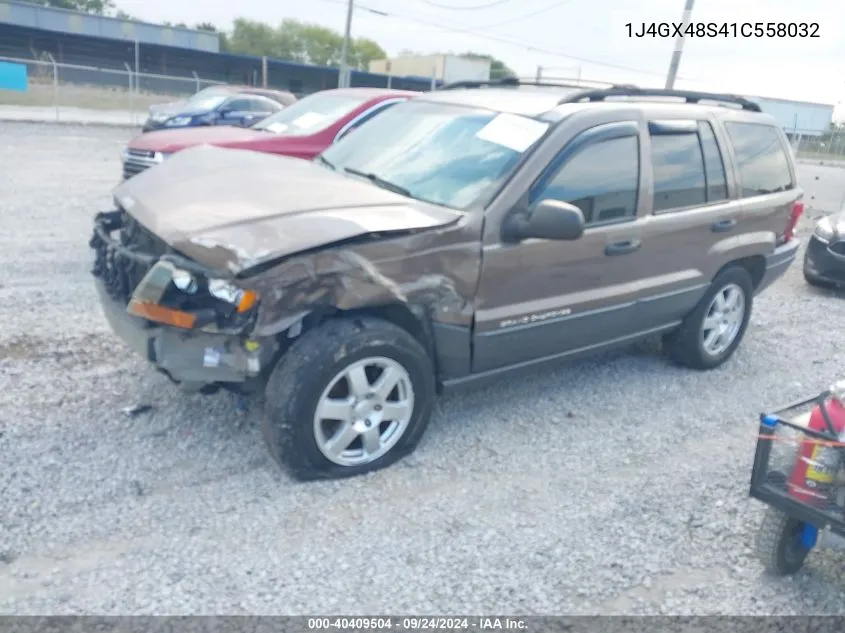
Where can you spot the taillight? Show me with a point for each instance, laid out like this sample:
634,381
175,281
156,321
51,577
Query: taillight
794,216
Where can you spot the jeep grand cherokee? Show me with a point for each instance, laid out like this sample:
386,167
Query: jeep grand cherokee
465,234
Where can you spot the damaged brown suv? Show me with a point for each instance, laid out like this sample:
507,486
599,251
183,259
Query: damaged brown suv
467,233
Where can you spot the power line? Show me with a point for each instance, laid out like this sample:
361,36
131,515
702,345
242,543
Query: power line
545,9
489,5
502,40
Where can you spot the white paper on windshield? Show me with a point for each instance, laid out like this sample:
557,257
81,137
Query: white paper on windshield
512,131
308,119
277,128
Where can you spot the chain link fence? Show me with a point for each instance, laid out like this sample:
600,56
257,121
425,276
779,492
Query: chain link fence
828,146
73,92
119,95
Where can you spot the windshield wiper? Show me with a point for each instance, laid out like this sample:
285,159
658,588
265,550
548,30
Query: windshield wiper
326,162
379,181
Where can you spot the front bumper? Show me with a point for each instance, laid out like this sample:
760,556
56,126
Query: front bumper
822,264
777,263
194,358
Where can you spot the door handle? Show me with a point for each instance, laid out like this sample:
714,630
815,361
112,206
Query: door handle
723,225
622,248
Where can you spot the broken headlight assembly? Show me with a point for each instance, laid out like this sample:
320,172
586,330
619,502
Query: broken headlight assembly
171,295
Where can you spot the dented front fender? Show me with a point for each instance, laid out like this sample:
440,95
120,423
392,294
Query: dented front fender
435,273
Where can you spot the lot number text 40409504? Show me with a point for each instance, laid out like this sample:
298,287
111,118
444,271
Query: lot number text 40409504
724,29
416,623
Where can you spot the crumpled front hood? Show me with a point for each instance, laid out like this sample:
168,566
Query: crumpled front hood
233,209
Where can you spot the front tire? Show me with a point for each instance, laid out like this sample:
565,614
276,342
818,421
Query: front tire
351,396
710,334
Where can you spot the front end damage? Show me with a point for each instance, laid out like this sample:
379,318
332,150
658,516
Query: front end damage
192,326
212,290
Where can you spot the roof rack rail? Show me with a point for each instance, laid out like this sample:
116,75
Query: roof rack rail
480,83
687,95
516,81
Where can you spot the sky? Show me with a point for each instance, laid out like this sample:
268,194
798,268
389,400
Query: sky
579,38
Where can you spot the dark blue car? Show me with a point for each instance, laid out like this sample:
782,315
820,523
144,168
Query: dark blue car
219,105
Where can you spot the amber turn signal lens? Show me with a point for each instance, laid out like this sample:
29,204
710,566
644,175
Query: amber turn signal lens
248,300
160,314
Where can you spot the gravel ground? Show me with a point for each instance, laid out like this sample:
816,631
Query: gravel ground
607,487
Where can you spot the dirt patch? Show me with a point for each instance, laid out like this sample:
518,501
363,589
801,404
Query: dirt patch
84,350
19,349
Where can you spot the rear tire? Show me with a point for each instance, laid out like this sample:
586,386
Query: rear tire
695,344
779,544
325,415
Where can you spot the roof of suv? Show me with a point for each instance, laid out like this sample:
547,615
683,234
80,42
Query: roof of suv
534,101
372,93
522,101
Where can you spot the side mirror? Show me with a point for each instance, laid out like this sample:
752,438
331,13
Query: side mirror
550,220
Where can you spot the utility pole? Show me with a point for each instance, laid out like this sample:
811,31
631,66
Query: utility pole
679,47
344,53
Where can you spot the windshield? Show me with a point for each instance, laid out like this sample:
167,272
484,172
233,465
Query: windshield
449,155
311,114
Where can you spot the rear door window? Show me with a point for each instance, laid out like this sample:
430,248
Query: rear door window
762,158
687,166
679,179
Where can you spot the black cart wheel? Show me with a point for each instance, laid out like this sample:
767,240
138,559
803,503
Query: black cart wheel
780,545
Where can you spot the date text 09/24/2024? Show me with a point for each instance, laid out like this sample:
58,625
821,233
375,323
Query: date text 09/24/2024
758,30
415,623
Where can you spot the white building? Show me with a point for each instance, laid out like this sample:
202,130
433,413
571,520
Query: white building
445,68
798,118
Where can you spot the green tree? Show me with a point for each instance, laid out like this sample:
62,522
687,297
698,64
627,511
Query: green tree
321,46
302,42
205,26
290,43
364,51
98,7
250,37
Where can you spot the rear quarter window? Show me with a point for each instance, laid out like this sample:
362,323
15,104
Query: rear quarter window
761,157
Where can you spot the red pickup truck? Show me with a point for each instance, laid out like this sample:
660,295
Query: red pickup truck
301,130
